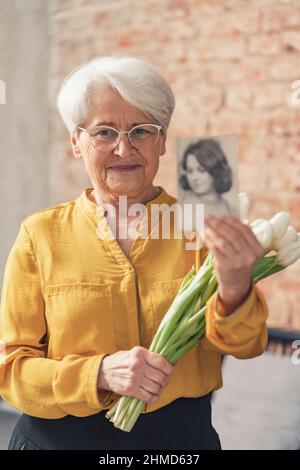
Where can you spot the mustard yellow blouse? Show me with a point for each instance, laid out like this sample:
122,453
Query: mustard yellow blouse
69,298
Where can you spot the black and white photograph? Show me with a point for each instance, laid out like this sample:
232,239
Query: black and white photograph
208,176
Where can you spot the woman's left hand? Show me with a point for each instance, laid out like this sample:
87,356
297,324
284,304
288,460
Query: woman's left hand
236,250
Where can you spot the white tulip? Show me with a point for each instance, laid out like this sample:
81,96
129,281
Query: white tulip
288,247
280,223
262,229
289,236
244,207
257,222
287,257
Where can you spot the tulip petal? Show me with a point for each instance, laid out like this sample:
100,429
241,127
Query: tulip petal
263,232
289,236
289,257
288,248
257,222
244,207
280,223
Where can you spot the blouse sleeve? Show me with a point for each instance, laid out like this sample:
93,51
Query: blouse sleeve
29,381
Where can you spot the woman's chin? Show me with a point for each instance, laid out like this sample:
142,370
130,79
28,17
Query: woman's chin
128,188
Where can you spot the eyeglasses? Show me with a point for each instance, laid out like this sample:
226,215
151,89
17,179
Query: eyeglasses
106,138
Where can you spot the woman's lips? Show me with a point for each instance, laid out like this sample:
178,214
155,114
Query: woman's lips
124,167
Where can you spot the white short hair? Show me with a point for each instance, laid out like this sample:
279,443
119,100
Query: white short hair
137,81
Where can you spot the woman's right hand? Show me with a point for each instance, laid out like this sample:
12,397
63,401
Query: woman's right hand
138,373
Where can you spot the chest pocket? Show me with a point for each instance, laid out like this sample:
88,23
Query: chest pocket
162,295
79,319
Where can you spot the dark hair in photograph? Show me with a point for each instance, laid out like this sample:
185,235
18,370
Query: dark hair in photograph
211,157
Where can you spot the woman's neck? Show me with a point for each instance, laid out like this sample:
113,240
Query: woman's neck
108,200
209,197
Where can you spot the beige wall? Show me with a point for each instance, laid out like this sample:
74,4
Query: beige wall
24,153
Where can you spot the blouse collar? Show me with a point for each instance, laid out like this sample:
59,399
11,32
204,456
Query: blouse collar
85,204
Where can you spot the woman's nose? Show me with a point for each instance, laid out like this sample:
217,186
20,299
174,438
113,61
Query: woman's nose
124,147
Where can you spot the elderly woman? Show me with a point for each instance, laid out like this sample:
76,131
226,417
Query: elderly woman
79,310
207,175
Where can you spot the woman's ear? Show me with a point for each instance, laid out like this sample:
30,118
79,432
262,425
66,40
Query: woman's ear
75,145
163,145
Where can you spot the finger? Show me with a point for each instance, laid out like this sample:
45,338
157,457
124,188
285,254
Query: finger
221,258
155,375
231,235
218,246
159,362
150,386
146,396
244,229
247,234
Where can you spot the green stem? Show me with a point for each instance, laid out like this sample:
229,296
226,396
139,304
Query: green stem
110,413
130,409
177,312
183,350
262,264
211,288
134,416
178,351
187,279
181,302
122,405
268,271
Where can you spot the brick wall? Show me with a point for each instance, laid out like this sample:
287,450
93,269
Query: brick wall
231,65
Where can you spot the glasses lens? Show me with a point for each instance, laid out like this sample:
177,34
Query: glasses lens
144,136
104,137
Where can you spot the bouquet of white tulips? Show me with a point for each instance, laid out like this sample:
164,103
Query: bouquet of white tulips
184,323
275,235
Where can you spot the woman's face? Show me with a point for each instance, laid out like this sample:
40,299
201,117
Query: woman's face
109,108
200,180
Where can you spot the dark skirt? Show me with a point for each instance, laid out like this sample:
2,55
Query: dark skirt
184,424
